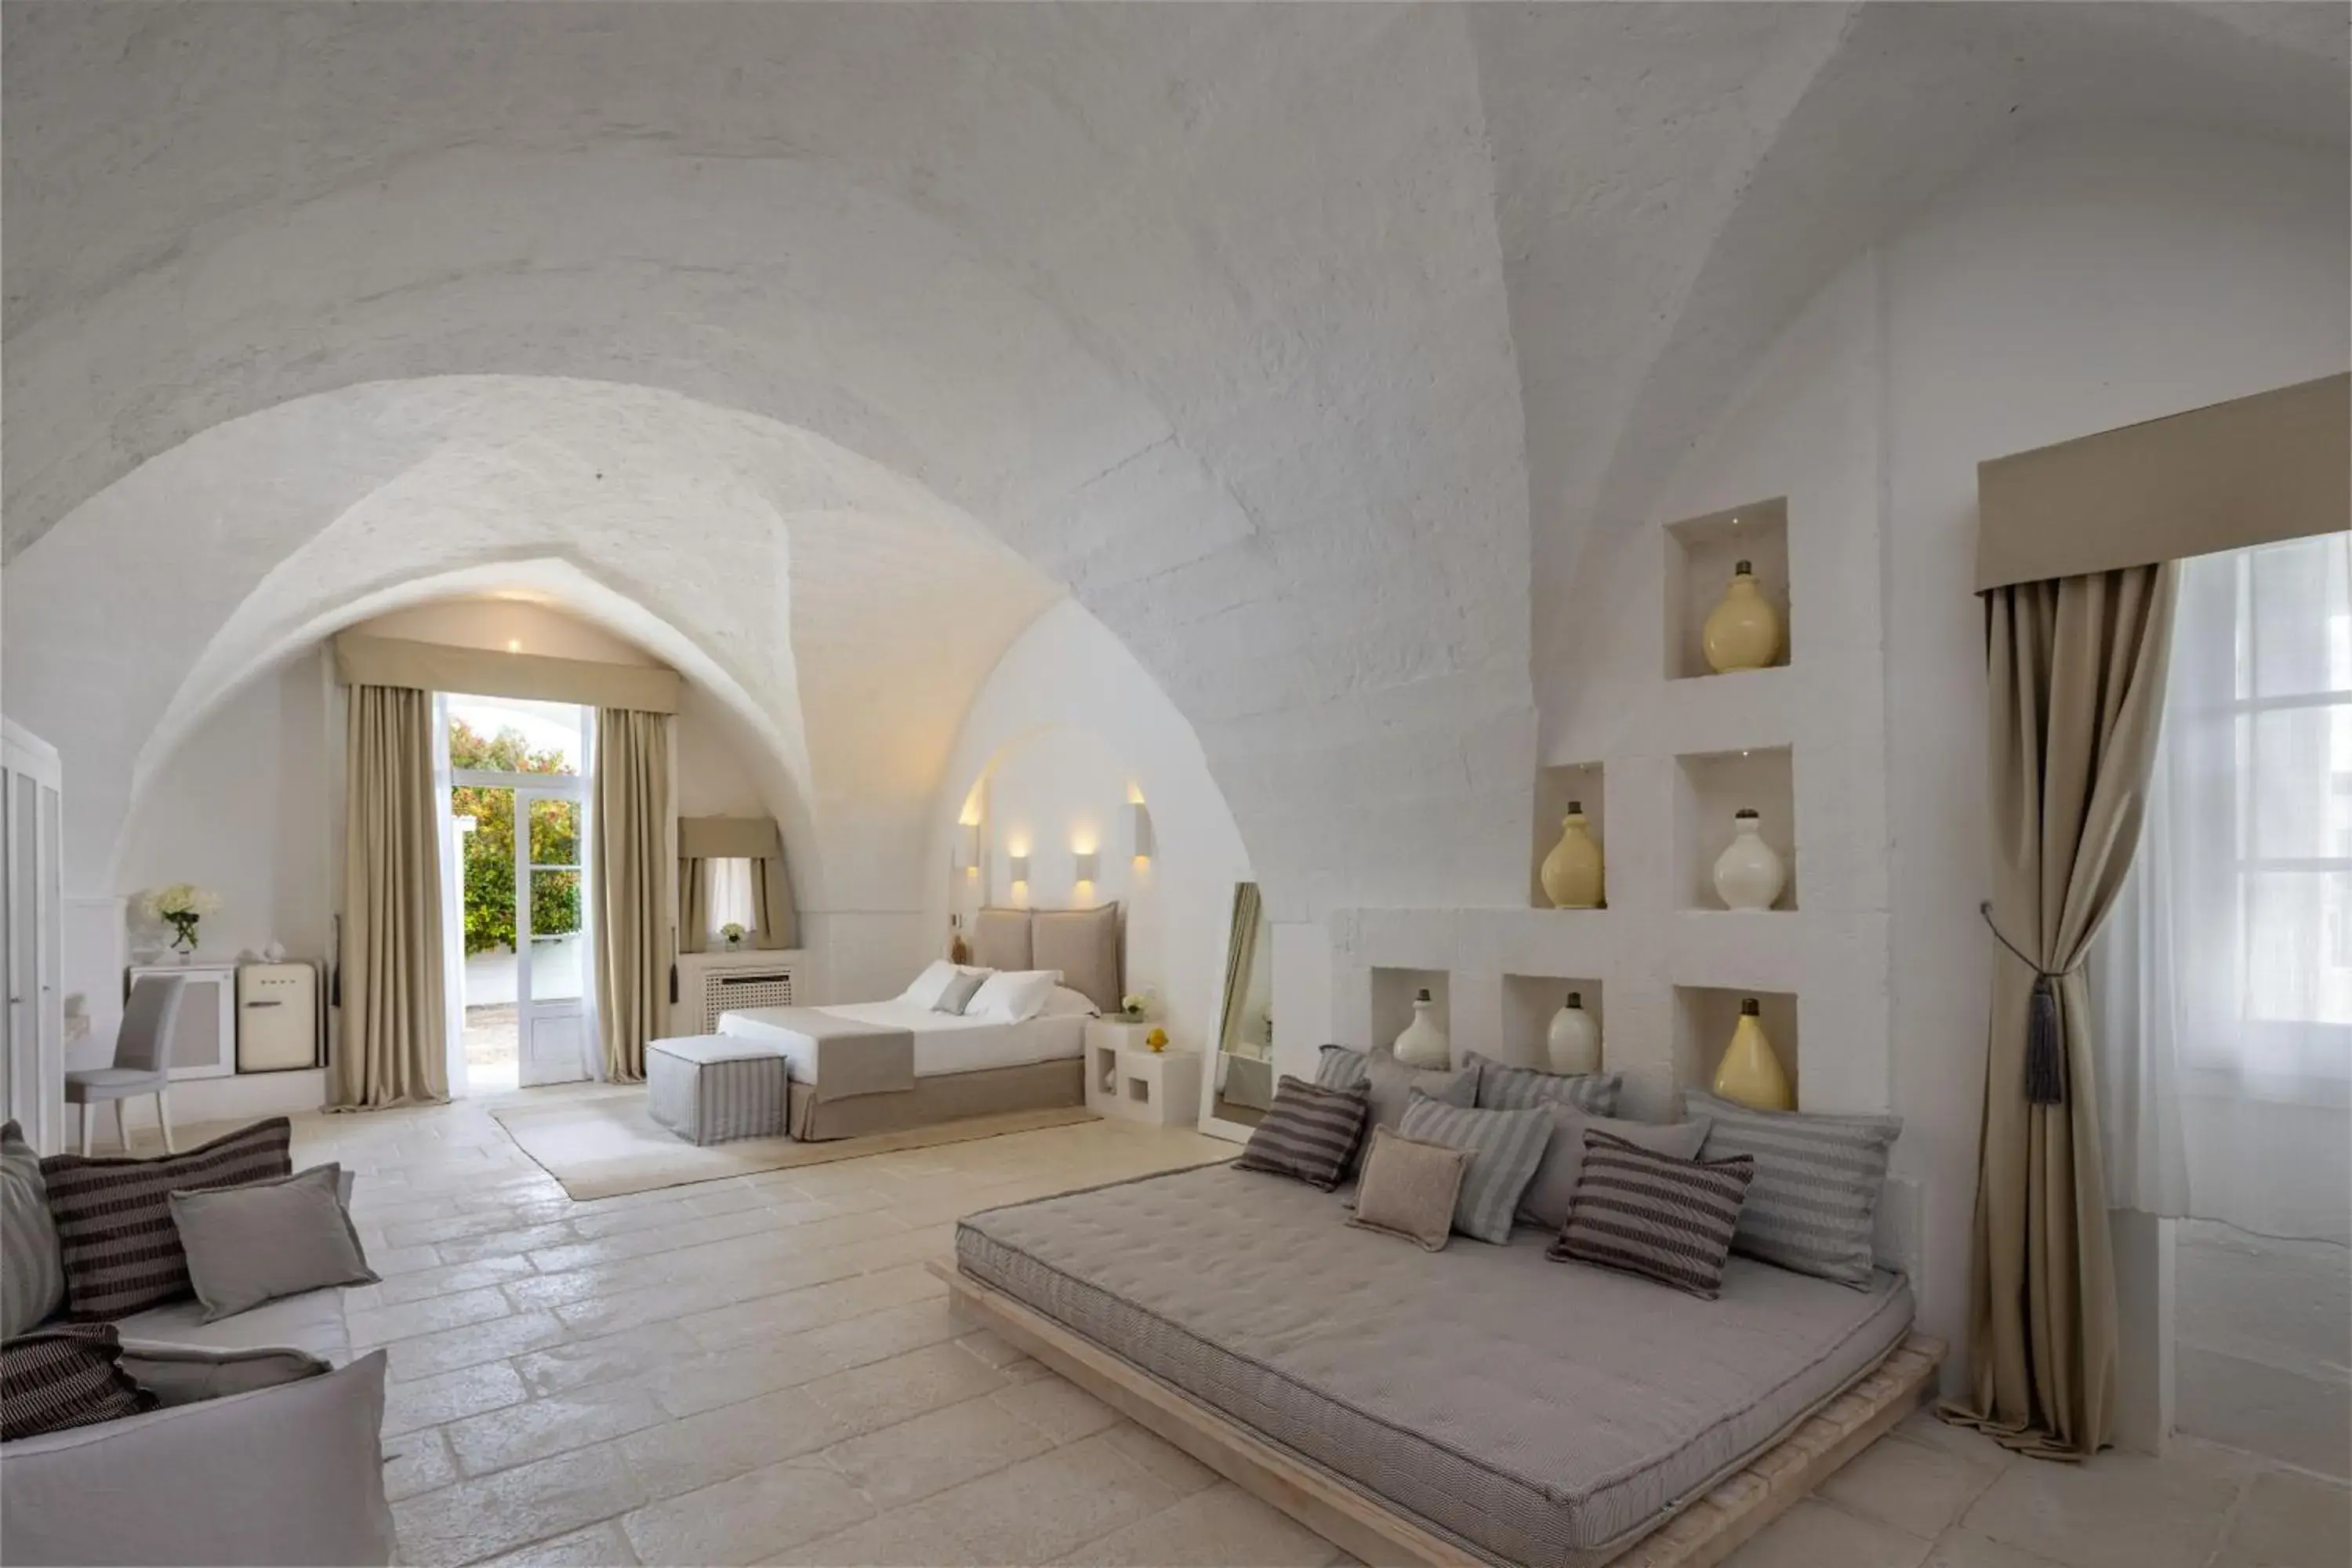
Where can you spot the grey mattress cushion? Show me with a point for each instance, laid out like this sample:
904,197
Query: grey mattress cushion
1504,1147
1813,1207
312,1321
183,1375
32,1273
1393,1085
255,1243
1530,1411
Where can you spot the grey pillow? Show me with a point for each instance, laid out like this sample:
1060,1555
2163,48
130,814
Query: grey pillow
1502,1088
184,1374
1545,1201
1813,1207
32,1269
1392,1084
1409,1189
961,991
255,1243
1504,1147
1668,1220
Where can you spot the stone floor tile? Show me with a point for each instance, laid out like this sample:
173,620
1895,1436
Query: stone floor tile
2289,1520
764,1318
382,1325
450,1396
442,1279
519,1434
679,1457
884,1392
514,1508
1966,1549
1918,1489
1224,1527
934,1451
417,1462
606,1359
429,1355
1060,1409
503,1242
747,1518
2114,1510
1925,1427
597,1546
1162,1459
1817,1535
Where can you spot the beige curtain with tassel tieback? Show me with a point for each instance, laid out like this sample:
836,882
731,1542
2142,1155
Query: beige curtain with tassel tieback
394,1047
626,870
776,919
693,903
2075,670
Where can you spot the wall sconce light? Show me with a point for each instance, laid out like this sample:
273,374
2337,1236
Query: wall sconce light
1020,869
967,846
1139,816
1089,865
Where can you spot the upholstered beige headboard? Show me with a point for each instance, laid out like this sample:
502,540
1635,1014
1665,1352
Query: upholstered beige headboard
1088,946
1000,939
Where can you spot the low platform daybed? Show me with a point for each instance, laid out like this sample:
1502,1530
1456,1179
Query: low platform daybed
1481,1404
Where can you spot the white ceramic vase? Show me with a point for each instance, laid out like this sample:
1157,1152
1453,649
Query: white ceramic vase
1571,873
1742,632
1750,875
1424,1043
1751,1073
1573,1041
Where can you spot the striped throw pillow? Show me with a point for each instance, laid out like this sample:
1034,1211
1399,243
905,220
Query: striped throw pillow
1392,1084
1504,1088
1310,1133
32,1274
1814,1207
120,1250
70,1375
1505,1147
1641,1212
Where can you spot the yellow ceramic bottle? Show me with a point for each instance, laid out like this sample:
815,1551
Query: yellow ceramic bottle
1741,632
1751,1074
1571,872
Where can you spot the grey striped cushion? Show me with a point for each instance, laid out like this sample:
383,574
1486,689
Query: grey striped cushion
32,1273
1504,1147
70,1375
1815,1202
1392,1084
1643,1213
1311,1133
114,1224
1504,1088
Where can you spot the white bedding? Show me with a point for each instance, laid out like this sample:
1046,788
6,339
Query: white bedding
944,1043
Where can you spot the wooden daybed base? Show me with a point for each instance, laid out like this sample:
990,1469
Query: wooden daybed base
1704,1532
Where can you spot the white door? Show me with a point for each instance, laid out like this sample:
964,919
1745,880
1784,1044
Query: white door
551,937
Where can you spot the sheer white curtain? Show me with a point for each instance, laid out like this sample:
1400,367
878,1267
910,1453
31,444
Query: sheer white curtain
731,897
2223,980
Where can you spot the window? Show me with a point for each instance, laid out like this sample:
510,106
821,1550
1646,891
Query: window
2253,804
731,897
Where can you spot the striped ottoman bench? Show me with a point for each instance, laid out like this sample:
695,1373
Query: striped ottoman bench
708,1089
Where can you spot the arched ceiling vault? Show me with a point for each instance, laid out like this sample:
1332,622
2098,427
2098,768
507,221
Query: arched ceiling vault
1292,340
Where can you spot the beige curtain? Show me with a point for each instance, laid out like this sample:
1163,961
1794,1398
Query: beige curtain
393,1048
2076,670
775,917
1241,949
626,870
693,903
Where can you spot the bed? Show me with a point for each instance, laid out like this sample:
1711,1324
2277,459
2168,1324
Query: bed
1479,1403
861,1068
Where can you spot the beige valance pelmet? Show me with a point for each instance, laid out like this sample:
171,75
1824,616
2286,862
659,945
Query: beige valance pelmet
2253,470
489,672
728,838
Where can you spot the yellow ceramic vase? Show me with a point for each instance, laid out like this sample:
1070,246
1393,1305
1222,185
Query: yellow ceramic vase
1571,872
1741,632
1751,1074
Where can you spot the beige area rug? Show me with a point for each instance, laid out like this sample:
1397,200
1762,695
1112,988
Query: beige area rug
603,1145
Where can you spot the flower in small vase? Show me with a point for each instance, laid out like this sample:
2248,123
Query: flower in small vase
1131,1008
181,906
733,932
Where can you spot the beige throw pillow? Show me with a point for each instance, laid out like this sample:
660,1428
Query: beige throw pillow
1408,1188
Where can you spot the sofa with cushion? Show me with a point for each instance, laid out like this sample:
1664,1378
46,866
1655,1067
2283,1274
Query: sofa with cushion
199,1407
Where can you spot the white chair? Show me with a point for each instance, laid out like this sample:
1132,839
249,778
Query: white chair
142,1059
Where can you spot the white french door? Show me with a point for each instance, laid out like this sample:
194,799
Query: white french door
551,934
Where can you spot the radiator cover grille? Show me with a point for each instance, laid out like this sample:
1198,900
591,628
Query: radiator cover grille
724,990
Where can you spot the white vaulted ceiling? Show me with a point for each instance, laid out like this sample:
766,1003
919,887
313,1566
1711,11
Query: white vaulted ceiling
1295,342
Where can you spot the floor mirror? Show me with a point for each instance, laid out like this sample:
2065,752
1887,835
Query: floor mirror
1240,1070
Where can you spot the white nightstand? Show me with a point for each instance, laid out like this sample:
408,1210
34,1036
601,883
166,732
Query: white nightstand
1127,1079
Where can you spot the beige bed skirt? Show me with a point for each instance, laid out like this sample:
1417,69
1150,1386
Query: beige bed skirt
949,1097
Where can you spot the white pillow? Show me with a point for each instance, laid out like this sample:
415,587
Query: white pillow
930,984
1013,996
1065,1003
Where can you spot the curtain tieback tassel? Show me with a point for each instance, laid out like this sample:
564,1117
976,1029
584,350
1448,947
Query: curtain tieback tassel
2045,1065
